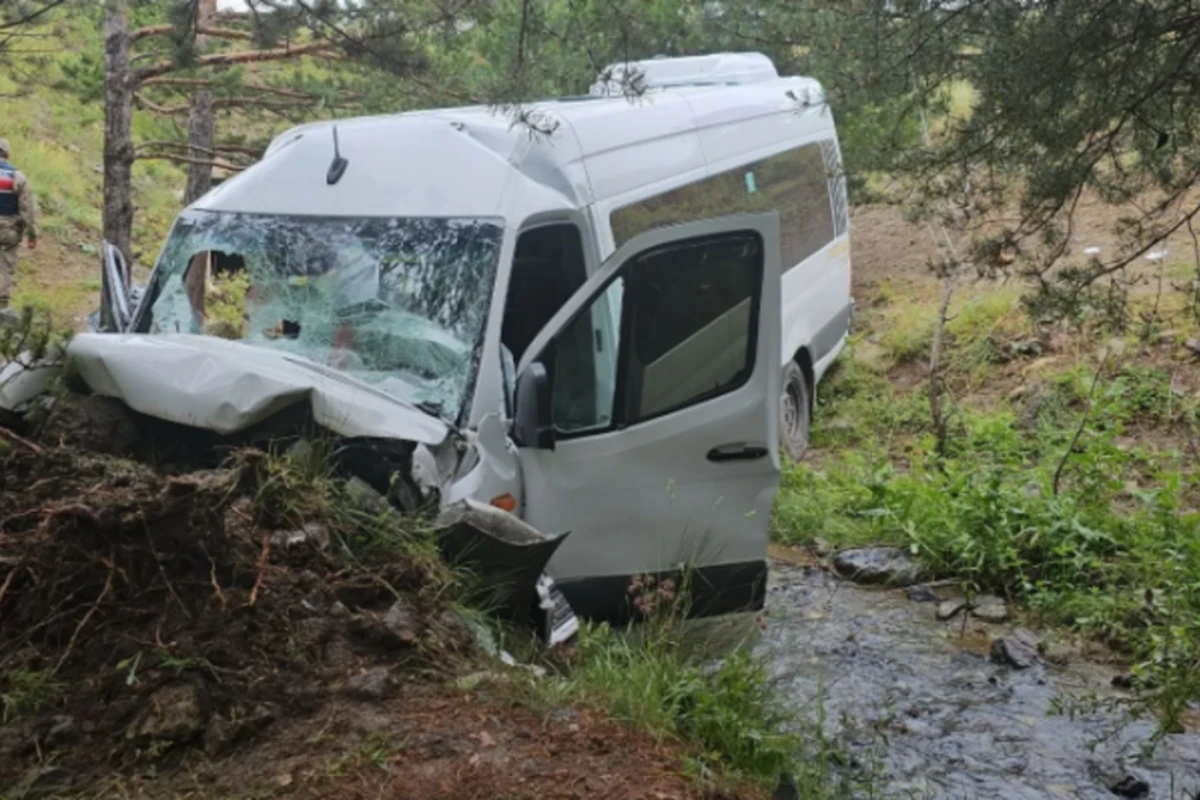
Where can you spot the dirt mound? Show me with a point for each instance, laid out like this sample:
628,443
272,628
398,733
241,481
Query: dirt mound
214,626
144,615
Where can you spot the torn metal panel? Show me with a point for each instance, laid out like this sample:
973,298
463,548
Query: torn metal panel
226,387
512,555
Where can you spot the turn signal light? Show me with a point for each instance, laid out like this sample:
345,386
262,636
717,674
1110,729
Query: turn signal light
505,502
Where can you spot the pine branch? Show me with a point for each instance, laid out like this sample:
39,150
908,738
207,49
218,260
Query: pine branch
203,30
214,151
204,162
226,103
241,57
150,105
201,83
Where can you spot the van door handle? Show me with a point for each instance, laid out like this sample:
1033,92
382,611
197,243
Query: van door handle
737,452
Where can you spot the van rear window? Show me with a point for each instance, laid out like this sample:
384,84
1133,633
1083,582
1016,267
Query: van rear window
795,183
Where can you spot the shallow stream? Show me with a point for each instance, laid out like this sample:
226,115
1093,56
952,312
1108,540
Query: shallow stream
921,707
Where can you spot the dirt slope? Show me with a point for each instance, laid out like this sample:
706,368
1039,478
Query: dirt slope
187,632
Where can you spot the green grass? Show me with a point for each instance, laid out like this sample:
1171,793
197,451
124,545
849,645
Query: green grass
24,692
724,712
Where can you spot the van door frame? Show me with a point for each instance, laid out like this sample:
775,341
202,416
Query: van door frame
584,223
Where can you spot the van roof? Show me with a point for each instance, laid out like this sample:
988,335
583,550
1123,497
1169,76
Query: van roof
473,161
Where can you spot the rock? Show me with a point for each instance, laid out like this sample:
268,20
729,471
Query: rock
1193,345
365,497
313,534
1129,786
1018,650
1030,348
948,609
1059,654
564,716
990,609
175,714
402,622
374,684
878,565
821,547
1031,410
921,593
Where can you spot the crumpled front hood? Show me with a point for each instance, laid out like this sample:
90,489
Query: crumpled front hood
227,386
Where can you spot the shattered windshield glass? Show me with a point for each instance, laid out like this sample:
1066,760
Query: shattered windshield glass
398,303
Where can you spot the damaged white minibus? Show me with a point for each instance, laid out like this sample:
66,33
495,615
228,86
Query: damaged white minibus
607,328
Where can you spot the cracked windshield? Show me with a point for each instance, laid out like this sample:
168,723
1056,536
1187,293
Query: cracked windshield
398,303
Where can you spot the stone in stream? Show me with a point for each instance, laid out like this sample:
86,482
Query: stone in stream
948,609
921,593
1129,786
1018,650
990,609
821,547
889,566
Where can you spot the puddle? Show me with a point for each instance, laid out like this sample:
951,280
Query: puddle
939,720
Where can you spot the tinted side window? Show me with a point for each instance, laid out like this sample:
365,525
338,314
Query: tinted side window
796,183
677,326
585,365
693,325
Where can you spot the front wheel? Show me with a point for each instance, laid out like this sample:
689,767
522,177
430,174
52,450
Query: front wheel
795,418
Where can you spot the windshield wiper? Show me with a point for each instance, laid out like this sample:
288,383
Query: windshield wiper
433,408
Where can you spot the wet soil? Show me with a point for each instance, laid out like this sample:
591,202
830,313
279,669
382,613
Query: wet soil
926,713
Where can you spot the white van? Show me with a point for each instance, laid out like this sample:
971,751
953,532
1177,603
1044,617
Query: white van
583,325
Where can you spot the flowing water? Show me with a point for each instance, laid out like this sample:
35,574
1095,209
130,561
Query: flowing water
920,705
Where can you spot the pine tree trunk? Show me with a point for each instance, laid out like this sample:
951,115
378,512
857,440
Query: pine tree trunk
200,146
118,142
200,122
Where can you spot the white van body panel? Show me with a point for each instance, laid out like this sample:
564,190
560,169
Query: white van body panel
651,497
590,158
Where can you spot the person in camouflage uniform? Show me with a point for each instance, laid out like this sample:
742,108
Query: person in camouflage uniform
18,219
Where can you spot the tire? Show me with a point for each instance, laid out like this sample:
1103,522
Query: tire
795,412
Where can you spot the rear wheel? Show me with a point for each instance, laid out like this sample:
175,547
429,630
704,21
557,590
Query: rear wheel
795,418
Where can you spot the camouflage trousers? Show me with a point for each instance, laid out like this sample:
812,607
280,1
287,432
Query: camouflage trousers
10,242
8,271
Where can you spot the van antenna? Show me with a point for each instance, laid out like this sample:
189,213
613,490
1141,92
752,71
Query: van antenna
338,167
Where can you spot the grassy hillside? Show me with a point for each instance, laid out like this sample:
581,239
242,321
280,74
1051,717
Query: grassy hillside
57,139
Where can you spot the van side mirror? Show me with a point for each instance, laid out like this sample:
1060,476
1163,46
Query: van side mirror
532,426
